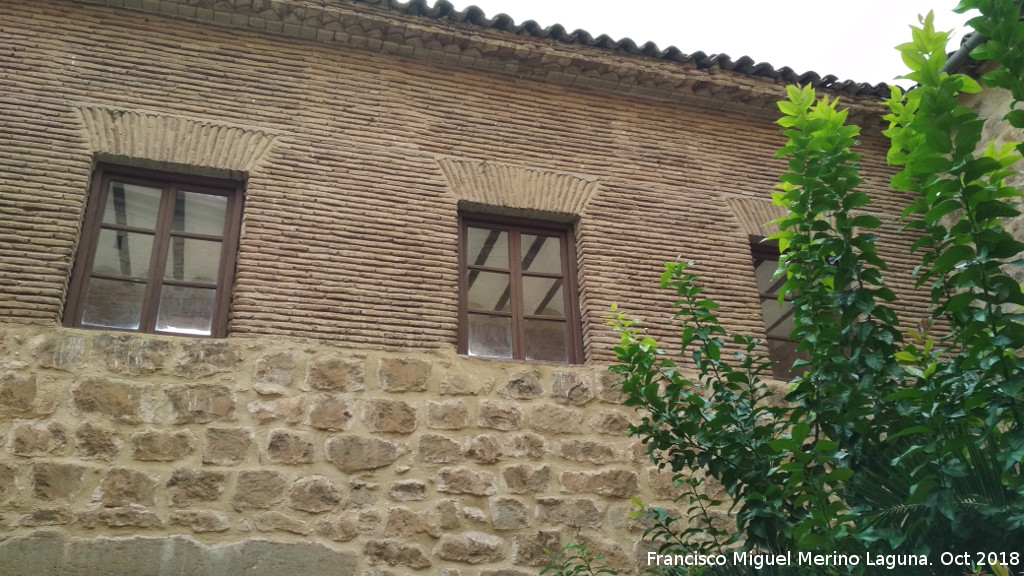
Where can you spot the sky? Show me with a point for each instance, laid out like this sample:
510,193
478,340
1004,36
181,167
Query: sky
853,40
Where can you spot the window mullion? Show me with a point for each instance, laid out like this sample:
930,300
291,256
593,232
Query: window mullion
161,242
515,290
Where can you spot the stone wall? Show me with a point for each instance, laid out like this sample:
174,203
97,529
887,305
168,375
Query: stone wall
400,461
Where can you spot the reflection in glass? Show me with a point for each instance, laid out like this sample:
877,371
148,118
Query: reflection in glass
132,205
121,253
197,213
543,296
541,254
486,247
113,304
490,336
488,291
545,340
186,310
191,260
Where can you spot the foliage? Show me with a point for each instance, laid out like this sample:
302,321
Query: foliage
575,559
888,444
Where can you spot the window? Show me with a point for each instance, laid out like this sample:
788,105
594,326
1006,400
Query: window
778,319
157,254
518,291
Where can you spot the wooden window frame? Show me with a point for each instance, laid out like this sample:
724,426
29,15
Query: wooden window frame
762,251
169,183
516,227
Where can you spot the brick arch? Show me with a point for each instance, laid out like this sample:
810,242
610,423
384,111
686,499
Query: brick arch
756,216
164,138
518,187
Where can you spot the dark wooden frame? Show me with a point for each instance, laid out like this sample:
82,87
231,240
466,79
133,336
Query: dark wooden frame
762,251
169,183
515,228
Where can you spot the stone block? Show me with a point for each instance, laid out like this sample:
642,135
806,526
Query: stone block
8,482
95,442
555,419
57,480
464,384
386,415
485,449
524,445
528,549
276,369
201,357
276,521
58,350
523,386
395,553
130,354
201,404
132,516
335,374
526,479
289,410
408,490
575,512
355,453
40,438
17,393
258,489
339,529
509,513
403,374
462,480
439,449
505,572
612,422
227,446
162,445
609,389
662,483
571,388
617,483
315,494
590,451
123,487
332,413
499,415
191,486
48,517
117,400
201,520
471,547
446,514
289,447
403,522
447,415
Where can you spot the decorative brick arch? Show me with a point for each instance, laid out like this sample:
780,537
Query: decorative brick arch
518,187
755,216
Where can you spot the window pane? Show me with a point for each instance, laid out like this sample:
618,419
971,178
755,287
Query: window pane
197,213
543,296
488,291
541,254
486,247
191,260
132,205
490,336
123,253
545,340
186,310
113,304
778,320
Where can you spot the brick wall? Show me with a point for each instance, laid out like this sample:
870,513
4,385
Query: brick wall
357,148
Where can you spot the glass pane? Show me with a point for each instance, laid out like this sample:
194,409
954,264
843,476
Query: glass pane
123,253
132,205
186,310
200,213
546,340
488,291
766,281
486,247
778,320
113,303
543,296
541,254
490,336
191,260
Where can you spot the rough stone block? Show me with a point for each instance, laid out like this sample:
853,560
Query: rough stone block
258,489
509,513
289,447
576,512
355,453
662,483
555,419
332,413
403,374
47,517
571,388
201,520
589,451
117,400
200,358
612,422
17,393
609,389
8,485
201,404
485,449
526,479
335,374
462,480
133,516
123,487
339,529
463,384
57,480
162,445
447,415
528,549
395,553
190,486
499,415
276,369
40,438
57,350
618,483
471,547
276,521
523,386
227,446
314,494
386,415
403,523
524,445
288,410
97,442
130,354
408,490
505,572
439,449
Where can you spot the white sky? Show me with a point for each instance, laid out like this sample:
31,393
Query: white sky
853,39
